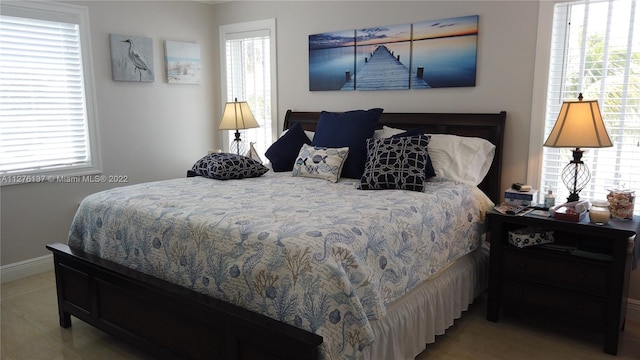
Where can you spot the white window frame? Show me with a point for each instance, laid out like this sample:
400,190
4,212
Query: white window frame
249,27
540,83
539,108
71,14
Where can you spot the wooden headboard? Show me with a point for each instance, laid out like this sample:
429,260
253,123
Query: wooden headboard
488,126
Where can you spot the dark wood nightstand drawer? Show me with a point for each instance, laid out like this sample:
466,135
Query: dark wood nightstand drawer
571,275
588,287
580,308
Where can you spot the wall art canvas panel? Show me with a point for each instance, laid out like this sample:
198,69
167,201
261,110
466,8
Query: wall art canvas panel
131,58
424,55
182,60
383,58
332,60
446,51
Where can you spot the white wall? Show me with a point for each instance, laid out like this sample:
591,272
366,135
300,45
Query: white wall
148,131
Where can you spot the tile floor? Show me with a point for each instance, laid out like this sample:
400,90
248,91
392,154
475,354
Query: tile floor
29,330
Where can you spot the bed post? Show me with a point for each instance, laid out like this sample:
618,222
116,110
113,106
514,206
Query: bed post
65,317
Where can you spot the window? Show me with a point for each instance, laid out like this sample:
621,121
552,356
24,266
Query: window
248,74
595,50
47,117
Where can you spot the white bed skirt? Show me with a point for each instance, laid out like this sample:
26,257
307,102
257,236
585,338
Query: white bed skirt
414,320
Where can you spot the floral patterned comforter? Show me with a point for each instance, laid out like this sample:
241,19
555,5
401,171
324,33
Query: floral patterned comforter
322,256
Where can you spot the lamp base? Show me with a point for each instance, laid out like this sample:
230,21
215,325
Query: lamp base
575,175
573,197
237,146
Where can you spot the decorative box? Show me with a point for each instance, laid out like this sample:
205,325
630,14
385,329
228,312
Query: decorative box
568,215
530,236
520,198
573,211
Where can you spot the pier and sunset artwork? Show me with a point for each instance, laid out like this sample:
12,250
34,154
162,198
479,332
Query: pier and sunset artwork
428,54
331,59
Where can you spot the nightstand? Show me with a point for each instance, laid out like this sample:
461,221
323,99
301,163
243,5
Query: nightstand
583,280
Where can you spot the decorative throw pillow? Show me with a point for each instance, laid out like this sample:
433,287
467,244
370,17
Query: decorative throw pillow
429,171
395,163
348,129
224,166
320,162
283,153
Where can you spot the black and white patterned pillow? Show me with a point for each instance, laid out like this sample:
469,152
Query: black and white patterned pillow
396,163
225,166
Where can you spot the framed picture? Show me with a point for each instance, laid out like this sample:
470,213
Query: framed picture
385,49
131,58
423,55
182,60
444,52
331,60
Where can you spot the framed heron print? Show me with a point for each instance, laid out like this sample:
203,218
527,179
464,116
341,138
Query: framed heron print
131,58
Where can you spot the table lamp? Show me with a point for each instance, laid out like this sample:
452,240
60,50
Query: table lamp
579,125
237,116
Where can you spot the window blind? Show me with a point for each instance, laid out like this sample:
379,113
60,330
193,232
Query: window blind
43,122
249,78
595,50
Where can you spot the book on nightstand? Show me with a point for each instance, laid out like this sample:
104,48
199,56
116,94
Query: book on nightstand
511,209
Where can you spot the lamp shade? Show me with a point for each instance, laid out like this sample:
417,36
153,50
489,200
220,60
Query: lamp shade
237,115
579,125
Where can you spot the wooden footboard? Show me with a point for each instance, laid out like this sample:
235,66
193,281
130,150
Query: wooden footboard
166,320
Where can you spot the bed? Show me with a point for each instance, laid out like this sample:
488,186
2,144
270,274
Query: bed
294,284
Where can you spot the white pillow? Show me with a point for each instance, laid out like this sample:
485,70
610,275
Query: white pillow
309,134
389,131
379,134
460,158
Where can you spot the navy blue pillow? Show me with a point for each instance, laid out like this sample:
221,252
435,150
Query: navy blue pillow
429,171
352,129
283,153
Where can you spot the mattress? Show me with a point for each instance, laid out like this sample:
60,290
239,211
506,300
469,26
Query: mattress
324,257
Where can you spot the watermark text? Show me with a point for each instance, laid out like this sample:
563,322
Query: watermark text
66,179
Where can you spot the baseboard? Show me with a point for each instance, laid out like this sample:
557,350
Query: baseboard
26,268
633,309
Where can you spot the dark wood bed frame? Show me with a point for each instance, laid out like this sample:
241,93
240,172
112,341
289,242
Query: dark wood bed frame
172,322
